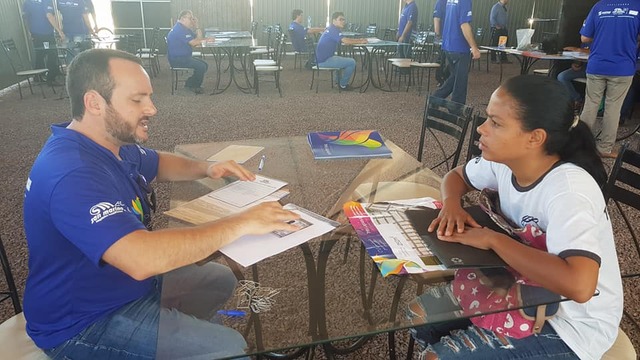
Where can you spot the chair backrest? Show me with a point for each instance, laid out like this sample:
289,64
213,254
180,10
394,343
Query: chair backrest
623,188
12,291
372,30
479,36
448,117
11,51
474,139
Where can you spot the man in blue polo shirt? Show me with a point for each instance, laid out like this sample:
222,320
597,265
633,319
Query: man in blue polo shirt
327,46
180,42
76,25
41,21
406,26
457,38
96,271
612,28
498,21
298,33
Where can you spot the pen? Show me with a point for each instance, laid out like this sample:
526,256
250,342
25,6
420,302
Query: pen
261,165
235,313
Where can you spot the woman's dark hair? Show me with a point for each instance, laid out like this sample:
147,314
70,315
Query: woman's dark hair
544,103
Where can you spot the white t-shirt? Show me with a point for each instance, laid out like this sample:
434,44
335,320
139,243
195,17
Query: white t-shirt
566,204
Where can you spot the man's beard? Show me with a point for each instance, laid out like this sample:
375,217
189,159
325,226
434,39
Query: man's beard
119,129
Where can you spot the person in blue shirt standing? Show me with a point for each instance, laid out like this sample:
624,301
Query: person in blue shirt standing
612,29
76,25
327,46
180,42
41,21
101,284
457,38
406,26
498,21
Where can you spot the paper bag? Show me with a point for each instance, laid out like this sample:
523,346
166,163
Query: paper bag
524,38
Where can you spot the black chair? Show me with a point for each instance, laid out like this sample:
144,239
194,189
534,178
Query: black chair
299,56
474,150
480,41
623,189
176,74
19,68
317,69
450,118
275,70
12,291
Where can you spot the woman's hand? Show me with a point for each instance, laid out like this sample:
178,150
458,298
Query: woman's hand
478,237
452,217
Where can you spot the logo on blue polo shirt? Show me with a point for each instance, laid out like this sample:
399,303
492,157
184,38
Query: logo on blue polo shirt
103,210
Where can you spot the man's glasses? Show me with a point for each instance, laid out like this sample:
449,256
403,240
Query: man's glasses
342,19
150,194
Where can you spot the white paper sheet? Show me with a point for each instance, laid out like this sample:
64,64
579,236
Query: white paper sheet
242,193
250,249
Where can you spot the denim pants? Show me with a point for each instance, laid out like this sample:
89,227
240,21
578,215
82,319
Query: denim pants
46,56
199,67
462,340
347,66
566,78
616,89
171,322
456,83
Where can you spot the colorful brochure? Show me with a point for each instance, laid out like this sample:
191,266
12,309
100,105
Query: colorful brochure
347,144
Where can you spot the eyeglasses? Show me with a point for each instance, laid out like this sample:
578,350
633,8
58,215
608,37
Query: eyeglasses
342,19
149,193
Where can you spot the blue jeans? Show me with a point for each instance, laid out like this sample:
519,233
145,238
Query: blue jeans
199,67
175,325
404,51
460,339
456,83
348,66
566,78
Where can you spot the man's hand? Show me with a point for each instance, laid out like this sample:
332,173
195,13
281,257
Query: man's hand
229,168
62,36
265,218
401,39
475,53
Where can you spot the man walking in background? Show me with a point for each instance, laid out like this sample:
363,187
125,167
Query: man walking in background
406,26
612,29
498,21
457,38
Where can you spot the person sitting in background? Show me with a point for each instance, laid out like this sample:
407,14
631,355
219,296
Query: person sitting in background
327,46
299,33
543,163
181,40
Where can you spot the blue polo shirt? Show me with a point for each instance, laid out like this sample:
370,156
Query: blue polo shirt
458,12
498,15
178,42
298,33
35,13
328,43
614,27
440,9
72,20
79,200
410,12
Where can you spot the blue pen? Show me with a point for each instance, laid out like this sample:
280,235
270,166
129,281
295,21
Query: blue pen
234,313
261,165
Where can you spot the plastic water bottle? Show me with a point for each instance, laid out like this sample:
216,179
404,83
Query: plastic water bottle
309,21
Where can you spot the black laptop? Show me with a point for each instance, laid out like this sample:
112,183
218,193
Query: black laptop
454,255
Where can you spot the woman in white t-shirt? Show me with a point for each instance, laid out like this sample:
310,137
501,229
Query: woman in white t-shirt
543,163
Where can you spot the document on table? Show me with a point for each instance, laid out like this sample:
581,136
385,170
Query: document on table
242,193
238,153
250,249
206,208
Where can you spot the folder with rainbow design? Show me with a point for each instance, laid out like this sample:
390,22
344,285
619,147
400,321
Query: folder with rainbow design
347,144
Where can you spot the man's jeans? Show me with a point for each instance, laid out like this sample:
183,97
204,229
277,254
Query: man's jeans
48,56
172,326
460,339
348,66
456,84
566,78
199,67
616,88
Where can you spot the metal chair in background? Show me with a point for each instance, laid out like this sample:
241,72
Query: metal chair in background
22,71
450,118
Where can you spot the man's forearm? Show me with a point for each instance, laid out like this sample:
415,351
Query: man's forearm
407,29
173,167
468,35
436,25
54,23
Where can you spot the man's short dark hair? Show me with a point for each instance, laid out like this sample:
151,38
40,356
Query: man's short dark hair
336,15
295,13
90,71
184,13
